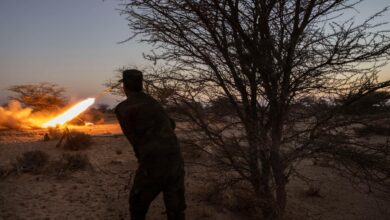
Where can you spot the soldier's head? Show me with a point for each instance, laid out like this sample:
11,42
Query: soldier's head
132,80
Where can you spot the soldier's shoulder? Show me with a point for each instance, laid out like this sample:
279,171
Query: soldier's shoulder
138,102
146,101
122,107
147,97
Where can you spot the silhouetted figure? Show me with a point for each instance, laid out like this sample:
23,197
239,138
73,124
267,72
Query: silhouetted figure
151,132
46,137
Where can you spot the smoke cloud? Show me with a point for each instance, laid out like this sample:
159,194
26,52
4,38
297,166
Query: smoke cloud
14,116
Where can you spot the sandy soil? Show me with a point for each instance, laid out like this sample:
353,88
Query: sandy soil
99,191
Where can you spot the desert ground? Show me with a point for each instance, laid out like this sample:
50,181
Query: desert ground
100,191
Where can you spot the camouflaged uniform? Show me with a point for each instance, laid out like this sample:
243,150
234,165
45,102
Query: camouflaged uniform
151,132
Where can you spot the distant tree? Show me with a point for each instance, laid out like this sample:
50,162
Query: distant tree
104,108
41,96
375,102
264,56
221,106
114,87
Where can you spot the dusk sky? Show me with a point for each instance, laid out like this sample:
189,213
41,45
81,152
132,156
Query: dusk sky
74,43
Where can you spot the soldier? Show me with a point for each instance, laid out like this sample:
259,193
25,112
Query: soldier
151,133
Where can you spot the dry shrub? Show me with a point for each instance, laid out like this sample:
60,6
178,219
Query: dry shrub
234,199
3,171
190,151
77,141
205,213
244,202
118,151
69,163
323,162
313,191
373,130
31,162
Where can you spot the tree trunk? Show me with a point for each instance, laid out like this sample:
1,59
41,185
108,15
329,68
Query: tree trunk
272,201
278,171
280,182
272,207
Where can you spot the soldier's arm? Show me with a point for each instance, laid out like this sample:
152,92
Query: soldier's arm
124,118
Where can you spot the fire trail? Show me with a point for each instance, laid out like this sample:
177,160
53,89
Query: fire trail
76,110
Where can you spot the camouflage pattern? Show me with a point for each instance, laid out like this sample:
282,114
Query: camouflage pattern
151,133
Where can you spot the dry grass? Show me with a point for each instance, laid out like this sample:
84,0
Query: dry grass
77,141
69,163
31,162
37,162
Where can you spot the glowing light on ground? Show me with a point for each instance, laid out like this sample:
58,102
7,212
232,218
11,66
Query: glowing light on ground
69,114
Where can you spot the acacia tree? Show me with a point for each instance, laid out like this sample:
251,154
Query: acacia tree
40,96
264,56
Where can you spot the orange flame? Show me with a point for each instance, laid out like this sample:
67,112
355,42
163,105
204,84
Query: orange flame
71,113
